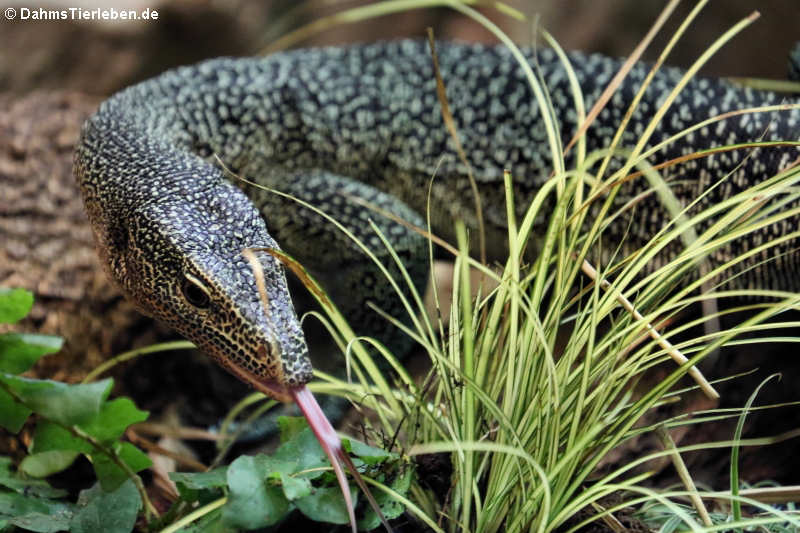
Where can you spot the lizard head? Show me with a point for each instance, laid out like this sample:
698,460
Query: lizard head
180,260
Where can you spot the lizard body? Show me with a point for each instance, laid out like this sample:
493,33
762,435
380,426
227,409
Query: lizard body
363,121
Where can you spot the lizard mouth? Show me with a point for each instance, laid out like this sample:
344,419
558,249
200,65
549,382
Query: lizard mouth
270,387
274,390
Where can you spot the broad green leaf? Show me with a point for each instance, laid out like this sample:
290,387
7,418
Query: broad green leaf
44,523
325,504
50,437
109,512
14,304
35,514
66,404
390,507
39,465
27,486
12,414
213,479
200,486
112,476
302,450
252,503
369,454
294,487
108,425
113,419
19,351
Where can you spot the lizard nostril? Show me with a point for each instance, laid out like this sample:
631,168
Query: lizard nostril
263,354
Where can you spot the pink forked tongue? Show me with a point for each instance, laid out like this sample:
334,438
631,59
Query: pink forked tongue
332,446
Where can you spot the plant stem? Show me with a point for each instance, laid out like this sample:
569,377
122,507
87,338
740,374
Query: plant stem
194,515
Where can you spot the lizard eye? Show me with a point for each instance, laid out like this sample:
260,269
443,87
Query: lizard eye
195,292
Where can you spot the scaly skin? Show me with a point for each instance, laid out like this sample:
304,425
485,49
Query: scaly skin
362,121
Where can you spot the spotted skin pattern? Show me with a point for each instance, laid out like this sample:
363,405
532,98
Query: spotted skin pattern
336,125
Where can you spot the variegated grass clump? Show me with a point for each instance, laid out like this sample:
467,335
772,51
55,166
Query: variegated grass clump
527,417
